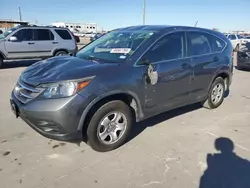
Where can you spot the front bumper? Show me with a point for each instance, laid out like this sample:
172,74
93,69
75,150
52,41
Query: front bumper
53,118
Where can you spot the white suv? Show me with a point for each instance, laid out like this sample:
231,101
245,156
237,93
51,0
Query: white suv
236,40
25,42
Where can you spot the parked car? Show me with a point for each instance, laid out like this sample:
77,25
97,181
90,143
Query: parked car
96,36
127,75
236,40
244,57
246,38
36,42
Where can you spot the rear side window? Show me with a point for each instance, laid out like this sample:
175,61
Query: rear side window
24,35
64,34
43,34
198,44
169,47
232,37
216,43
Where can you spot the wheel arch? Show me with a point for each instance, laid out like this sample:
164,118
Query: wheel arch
130,98
224,75
2,55
59,49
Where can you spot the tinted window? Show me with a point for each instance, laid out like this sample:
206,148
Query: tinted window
198,44
24,35
64,34
216,43
44,34
240,37
231,37
169,47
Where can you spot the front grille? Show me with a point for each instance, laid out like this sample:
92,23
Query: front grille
25,92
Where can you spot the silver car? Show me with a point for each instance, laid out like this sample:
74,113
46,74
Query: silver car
26,42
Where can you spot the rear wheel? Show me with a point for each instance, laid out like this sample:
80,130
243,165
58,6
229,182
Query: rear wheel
109,127
61,53
237,48
1,62
216,94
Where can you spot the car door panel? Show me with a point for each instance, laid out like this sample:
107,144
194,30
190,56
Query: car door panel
23,47
205,59
172,86
45,43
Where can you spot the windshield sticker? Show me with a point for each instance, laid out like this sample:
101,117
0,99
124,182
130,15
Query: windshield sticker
122,57
120,50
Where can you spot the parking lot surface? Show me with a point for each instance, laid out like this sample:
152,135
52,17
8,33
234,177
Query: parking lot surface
172,150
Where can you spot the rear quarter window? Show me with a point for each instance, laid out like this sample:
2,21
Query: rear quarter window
217,44
64,34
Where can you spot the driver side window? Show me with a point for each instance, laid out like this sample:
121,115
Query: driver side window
24,35
169,47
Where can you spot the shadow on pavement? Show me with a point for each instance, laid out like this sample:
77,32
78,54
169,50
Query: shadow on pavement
141,126
225,169
18,63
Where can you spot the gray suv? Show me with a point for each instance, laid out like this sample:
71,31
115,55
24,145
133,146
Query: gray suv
127,75
25,42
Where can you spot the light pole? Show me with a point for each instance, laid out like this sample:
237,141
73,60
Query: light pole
144,12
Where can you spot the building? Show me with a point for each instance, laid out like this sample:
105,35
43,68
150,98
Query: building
79,27
5,24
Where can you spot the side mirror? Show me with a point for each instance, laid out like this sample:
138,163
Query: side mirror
1,32
13,39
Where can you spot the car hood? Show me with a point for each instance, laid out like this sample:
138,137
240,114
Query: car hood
61,69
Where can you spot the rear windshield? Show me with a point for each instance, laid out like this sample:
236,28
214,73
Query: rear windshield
64,34
115,46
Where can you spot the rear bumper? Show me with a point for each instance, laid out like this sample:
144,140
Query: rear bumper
56,119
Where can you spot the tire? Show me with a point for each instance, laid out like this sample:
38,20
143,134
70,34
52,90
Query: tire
61,53
1,62
214,102
237,48
99,126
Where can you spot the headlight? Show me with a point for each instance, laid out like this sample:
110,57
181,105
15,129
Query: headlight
63,89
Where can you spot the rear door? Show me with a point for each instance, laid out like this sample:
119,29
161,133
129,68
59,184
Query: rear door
204,52
44,42
23,47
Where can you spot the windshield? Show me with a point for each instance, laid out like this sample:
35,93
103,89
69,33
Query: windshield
6,33
115,46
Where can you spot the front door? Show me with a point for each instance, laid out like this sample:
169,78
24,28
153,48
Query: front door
23,47
168,73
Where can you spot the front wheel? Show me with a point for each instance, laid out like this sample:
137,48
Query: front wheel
216,94
109,127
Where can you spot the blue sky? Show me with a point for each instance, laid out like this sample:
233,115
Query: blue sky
223,14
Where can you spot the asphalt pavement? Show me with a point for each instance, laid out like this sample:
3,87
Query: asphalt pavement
188,147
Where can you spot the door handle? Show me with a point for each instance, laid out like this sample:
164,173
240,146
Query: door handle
55,42
216,59
31,43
